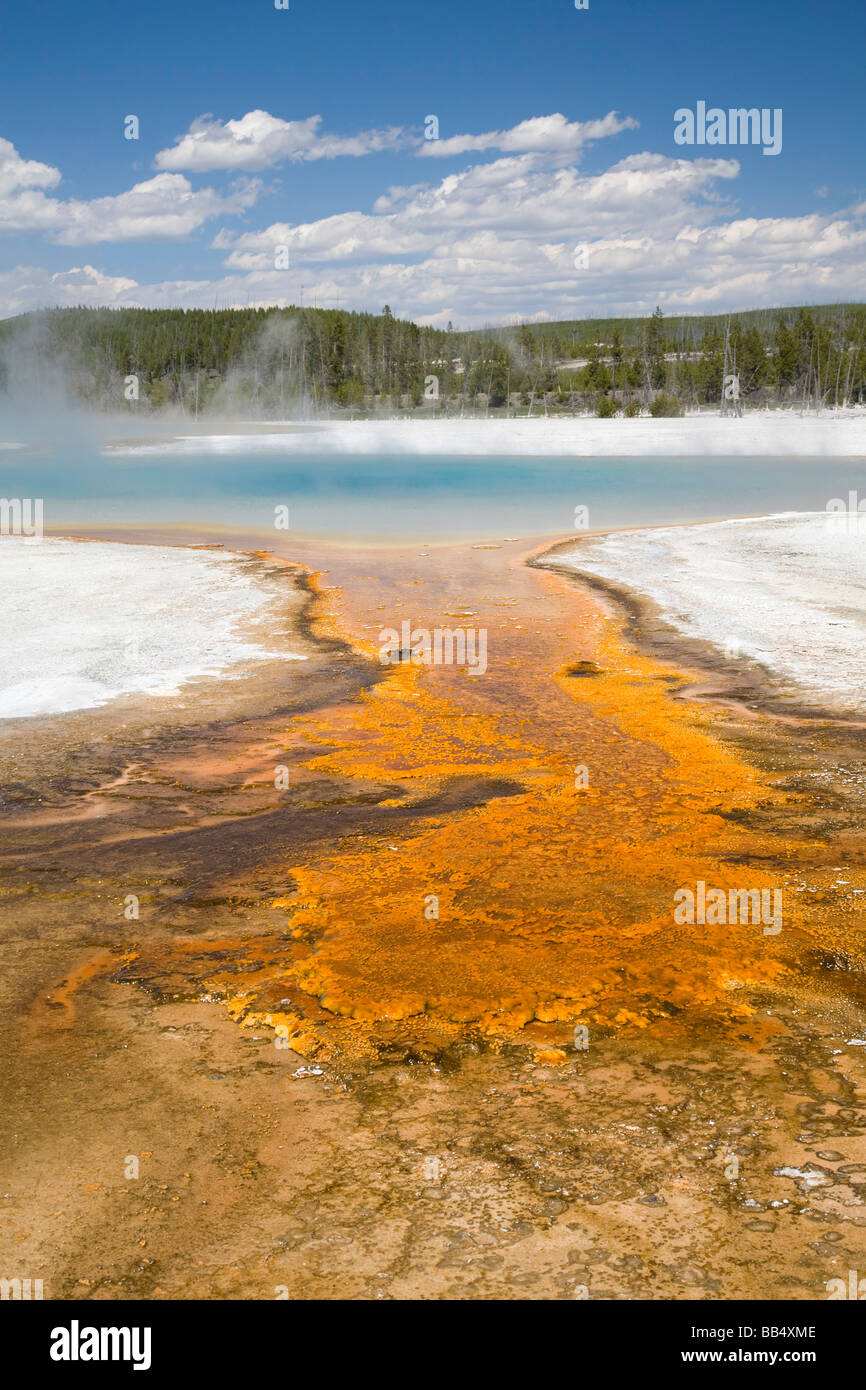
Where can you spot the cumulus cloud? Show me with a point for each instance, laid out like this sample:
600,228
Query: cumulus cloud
541,134
17,173
501,239
526,234
487,276
510,198
24,206
259,140
32,287
165,206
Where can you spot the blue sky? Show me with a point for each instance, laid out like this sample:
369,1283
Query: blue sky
489,228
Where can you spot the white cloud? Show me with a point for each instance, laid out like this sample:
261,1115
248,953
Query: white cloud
499,241
487,277
24,206
509,197
490,243
30,211
17,173
258,141
165,206
32,287
540,134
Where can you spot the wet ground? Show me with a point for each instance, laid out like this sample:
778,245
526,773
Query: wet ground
417,1020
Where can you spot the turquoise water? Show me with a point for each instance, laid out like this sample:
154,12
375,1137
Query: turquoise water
393,495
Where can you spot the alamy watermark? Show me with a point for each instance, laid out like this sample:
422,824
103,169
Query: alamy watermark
21,516
21,1290
846,518
439,646
716,907
736,126
854,1289
77,1343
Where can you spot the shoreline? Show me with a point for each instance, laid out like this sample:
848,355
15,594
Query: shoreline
765,433
334,614
411,1039
734,682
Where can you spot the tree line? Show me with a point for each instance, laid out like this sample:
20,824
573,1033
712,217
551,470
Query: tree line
269,363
